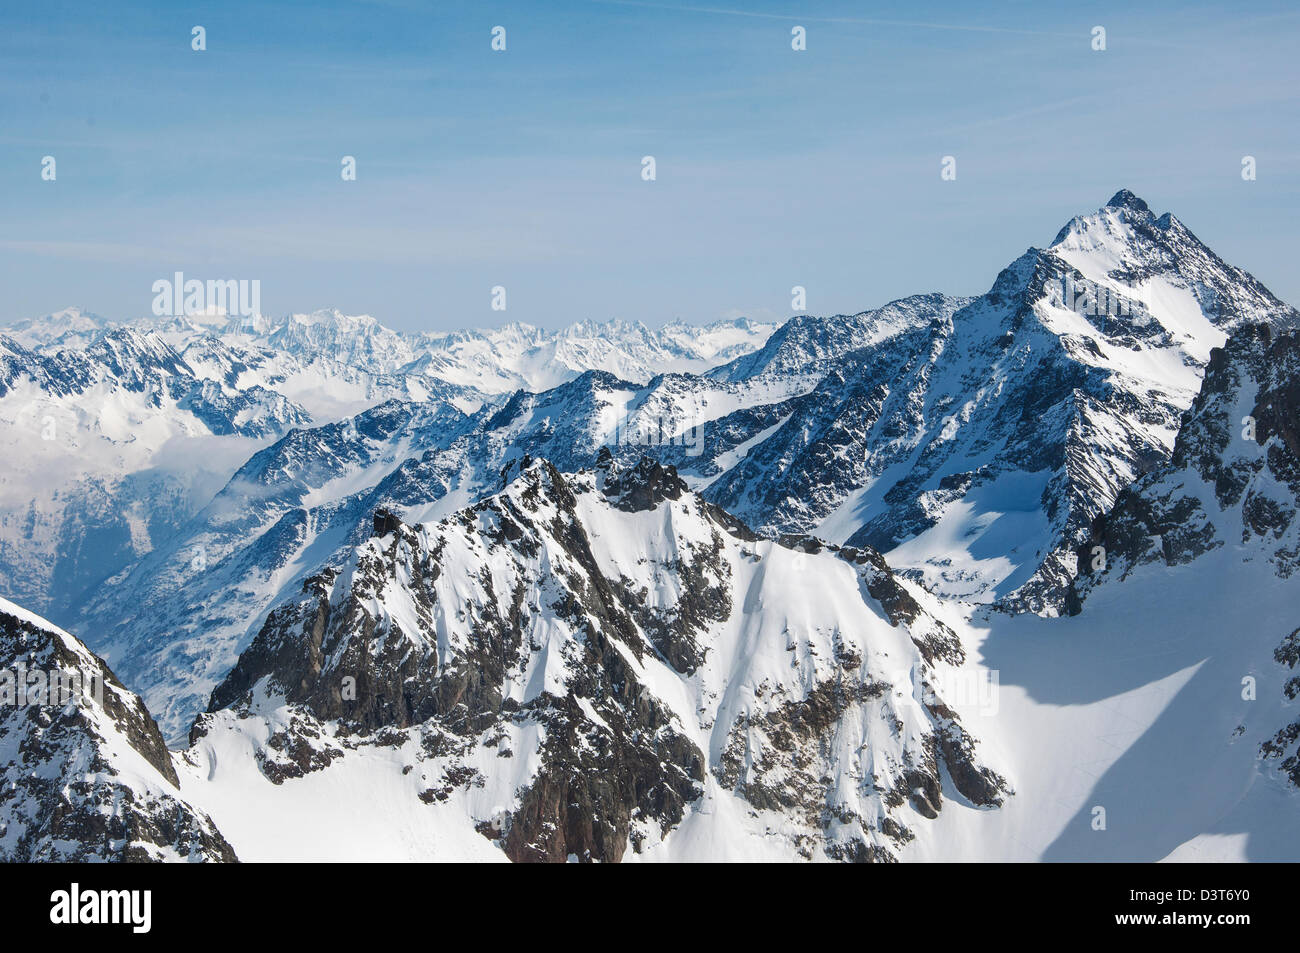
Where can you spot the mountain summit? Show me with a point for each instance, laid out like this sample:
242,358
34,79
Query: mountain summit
975,444
1126,199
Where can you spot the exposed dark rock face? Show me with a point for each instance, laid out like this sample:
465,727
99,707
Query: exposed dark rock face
1285,745
644,486
509,643
88,780
595,778
1239,443
386,522
777,763
594,784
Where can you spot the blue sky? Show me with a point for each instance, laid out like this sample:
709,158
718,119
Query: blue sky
775,168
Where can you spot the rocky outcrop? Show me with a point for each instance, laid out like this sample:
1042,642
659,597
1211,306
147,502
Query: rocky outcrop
1234,476
84,773
1284,747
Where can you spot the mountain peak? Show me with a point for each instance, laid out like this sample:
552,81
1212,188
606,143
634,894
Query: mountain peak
1126,199
643,486
1105,221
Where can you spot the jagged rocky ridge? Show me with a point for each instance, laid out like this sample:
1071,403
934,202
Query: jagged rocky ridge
977,446
90,779
1233,483
1233,478
579,662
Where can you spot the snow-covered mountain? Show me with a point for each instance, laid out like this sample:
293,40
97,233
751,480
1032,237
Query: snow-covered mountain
1224,516
611,593
84,773
172,629
975,448
70,328
1233,481
594,666
126,430
114,446
518,356
490,361
175,621
1174,678
1156,722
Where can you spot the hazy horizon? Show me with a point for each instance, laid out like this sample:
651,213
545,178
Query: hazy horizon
522,168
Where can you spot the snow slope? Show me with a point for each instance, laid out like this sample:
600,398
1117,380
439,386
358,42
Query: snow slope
1168,697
